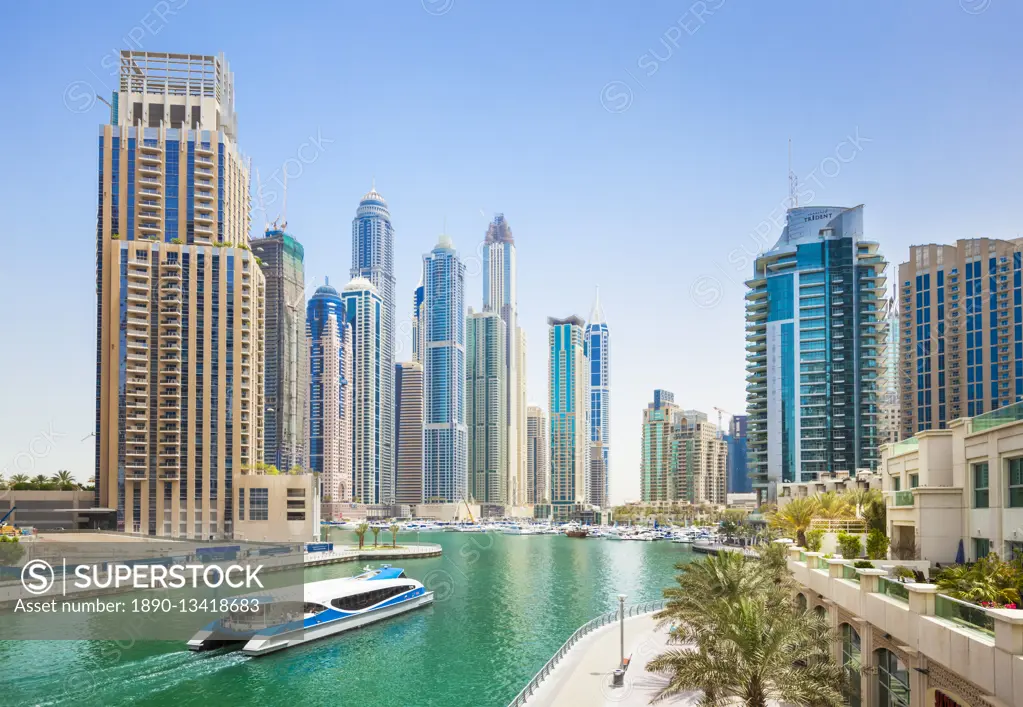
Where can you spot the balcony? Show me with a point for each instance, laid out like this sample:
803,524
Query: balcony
903,498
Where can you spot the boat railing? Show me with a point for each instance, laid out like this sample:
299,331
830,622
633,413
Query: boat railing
586,628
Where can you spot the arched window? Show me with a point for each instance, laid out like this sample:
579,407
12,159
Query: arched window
851,662
821,611
801,602
892,680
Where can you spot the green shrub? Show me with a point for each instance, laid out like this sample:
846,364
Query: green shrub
851,546
863,564
903,573
814,539
10,550
877,545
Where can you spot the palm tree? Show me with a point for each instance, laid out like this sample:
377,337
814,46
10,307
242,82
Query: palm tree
830,505
376,534
394,534
19,479
63,478
40,480
360,530
989,579
752,652
795,517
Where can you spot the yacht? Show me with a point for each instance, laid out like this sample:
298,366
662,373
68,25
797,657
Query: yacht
328,607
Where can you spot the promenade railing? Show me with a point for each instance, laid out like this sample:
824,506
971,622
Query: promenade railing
586,628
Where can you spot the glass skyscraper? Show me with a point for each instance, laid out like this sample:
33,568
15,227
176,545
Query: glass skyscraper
568,383
373,259
598,352
815,339
287,361
738,473
408,428
485,408
364,314
330,396
445,476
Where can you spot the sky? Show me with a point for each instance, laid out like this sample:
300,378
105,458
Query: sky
638,147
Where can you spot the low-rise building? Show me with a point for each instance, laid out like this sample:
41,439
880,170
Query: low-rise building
56,510
839,482
277,507
962,486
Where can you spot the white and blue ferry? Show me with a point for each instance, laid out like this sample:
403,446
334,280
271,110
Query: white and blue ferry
328,607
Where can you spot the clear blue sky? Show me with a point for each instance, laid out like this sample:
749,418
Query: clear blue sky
460,106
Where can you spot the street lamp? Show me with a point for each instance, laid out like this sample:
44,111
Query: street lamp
621,623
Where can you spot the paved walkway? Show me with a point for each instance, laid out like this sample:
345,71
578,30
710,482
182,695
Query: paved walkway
583,677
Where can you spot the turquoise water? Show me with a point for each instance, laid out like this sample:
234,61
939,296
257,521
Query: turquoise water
504,604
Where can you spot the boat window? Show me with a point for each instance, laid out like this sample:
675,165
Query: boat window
357,602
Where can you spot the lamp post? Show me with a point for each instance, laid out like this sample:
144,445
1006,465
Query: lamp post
621,624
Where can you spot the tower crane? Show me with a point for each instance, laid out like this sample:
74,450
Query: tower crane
720,412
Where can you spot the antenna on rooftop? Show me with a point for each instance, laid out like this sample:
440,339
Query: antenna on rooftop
793,182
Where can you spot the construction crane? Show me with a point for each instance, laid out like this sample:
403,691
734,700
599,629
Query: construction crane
4,528
720,411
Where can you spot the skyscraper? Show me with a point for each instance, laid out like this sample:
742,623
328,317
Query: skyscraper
287,360
329,340
485,408
597,341
889,425
659,420
179,322
815,338
408,428
500,295
373,259
417,323
699,461
538,471
961,312
568,387
364,312
738,472
445,434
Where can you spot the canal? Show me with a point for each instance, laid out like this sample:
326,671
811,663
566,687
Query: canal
503,605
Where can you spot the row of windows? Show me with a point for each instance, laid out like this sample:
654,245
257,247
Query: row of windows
982,484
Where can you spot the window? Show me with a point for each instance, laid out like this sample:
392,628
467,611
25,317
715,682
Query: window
292,515
358,602
241,504
897,484
259,504
1016,483
981,547
892,680
851,662
914,480
980,485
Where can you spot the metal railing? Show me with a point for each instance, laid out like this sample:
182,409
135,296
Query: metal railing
586,628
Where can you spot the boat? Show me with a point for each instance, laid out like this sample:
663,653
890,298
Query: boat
328,607
577,533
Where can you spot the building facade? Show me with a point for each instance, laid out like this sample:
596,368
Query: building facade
329,341
179,323
408,428
659,421
598,356
568,378
417,323
738,471
364,314
699,461
373,259
445,437
961,349
815,340
286,379
890,410
485,408
537,468
500,295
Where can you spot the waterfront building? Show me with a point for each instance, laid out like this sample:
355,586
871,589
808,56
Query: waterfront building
738,473
957,490
523,404
417,323
364,312
908,644
889,426
445,435
408,429
840,482
329,342
659,421
286,379
500,295
179,322
282,508
962,331
537,468
698,467
485,408
598,356
815,339
373,259
569,435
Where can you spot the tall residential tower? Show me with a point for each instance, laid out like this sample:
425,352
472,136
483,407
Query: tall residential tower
598,353
364,313
408,432
568,385
538,471
485,408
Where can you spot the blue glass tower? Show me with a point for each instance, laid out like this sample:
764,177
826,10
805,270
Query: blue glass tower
445,435
373,259
738,474
597,343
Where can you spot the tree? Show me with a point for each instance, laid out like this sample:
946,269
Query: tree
850,545
40,480
394,534
989,579
795,517
814,539
832,506
877,545
376,534
752,645
63,478
19,479
360,530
